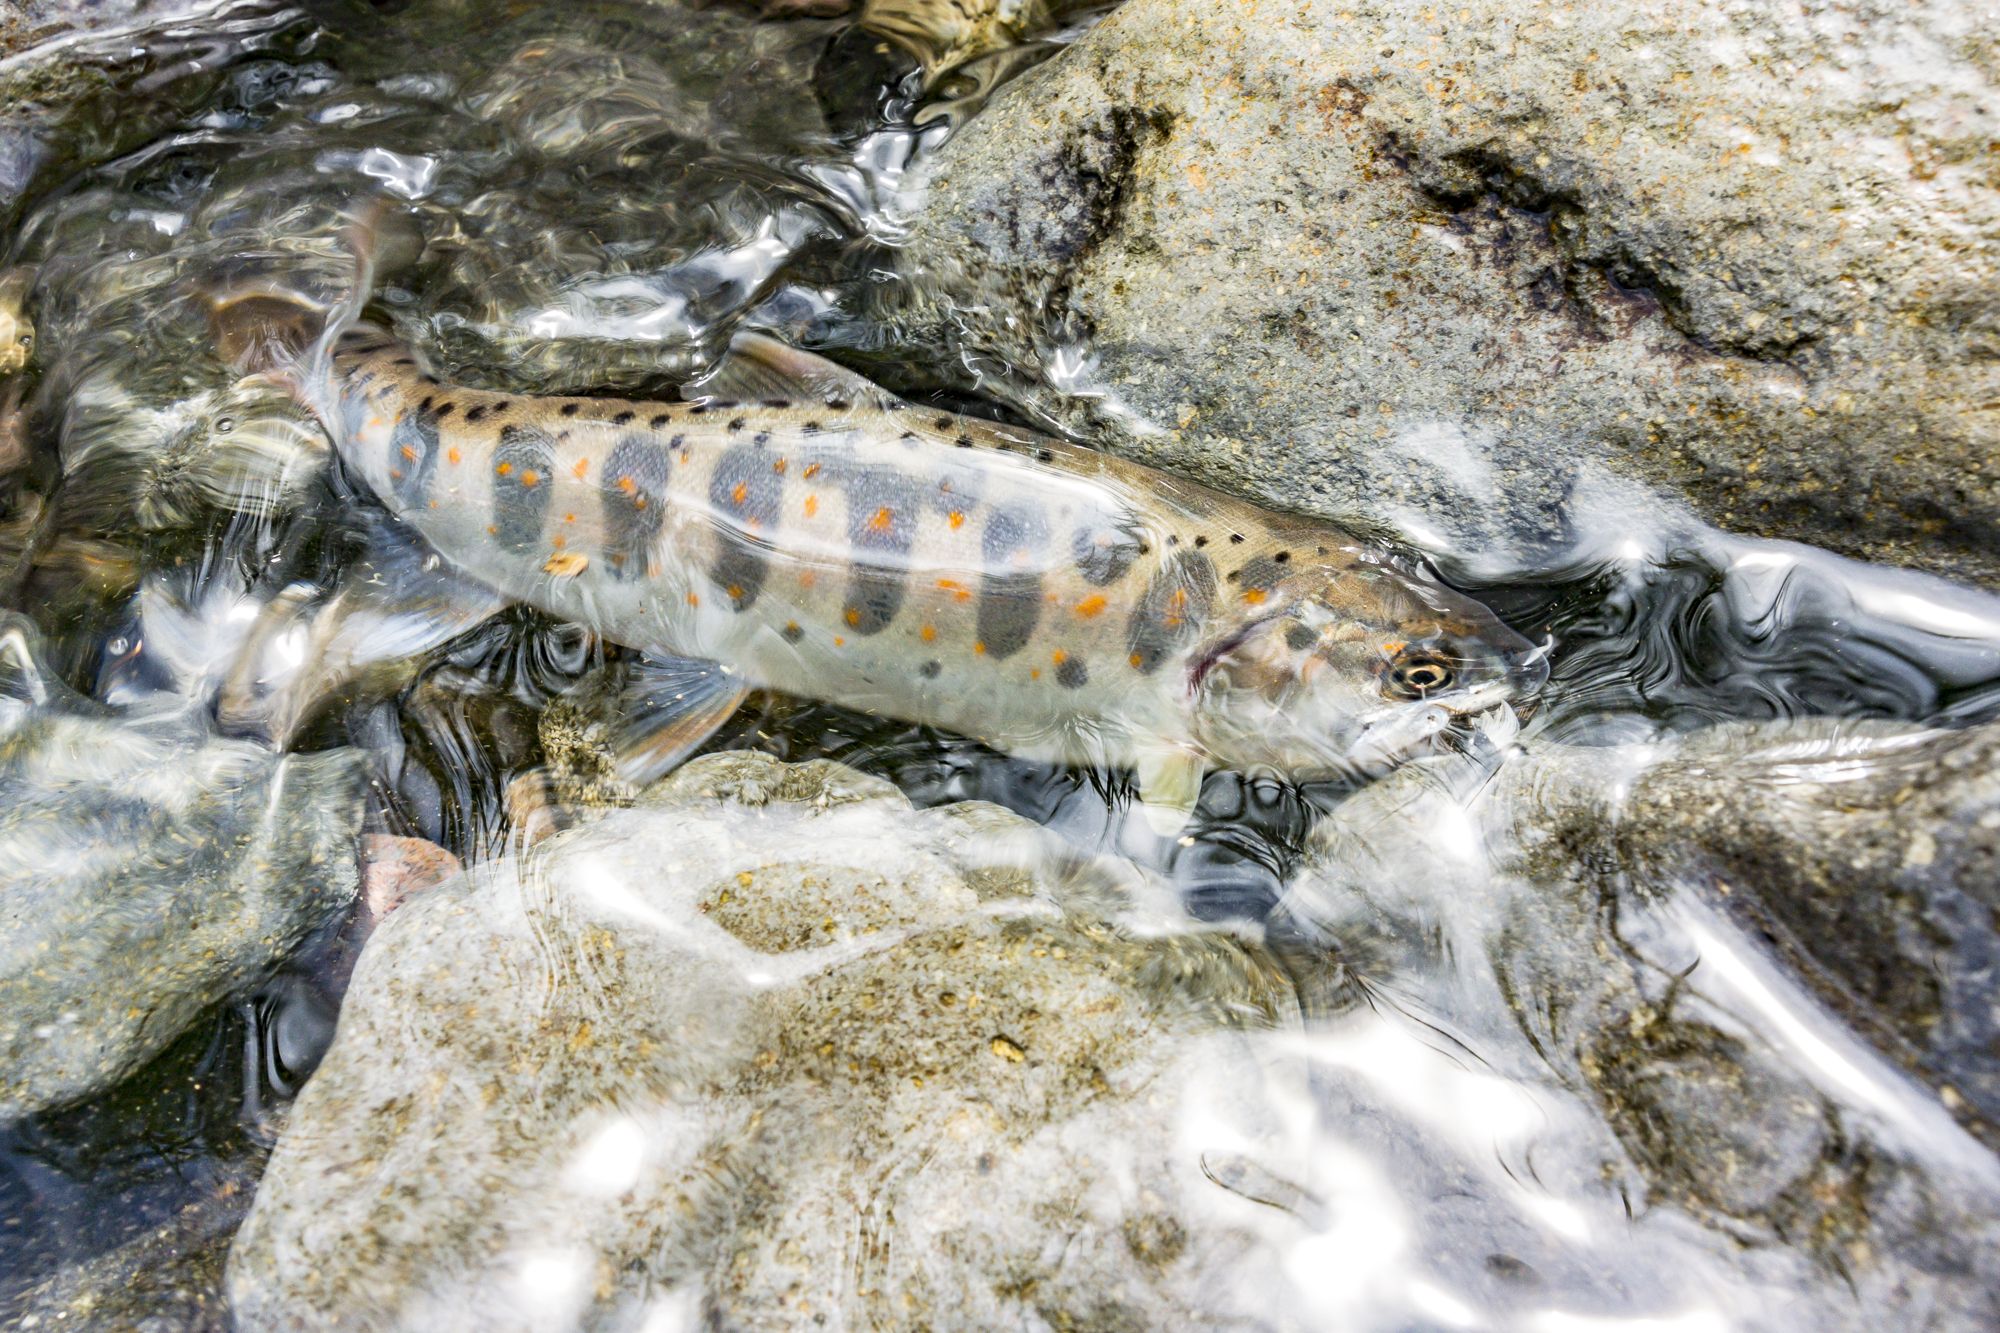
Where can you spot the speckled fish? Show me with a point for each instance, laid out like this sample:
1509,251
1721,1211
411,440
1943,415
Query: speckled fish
791,526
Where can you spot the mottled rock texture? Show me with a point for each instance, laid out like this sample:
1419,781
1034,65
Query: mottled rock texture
1459,267
771,1047
147,872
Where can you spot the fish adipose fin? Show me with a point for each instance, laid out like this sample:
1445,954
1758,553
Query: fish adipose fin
759,368
668,707
1169,787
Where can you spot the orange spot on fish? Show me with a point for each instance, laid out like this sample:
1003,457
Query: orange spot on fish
1034,673
1090,606
530,477
434,504
852,615
1135,660
741,492
735,592
883,517
1253,595
492,529
1394,647
839,642
567,565
778,466
979,648
957,519
395,475
1058,657
812,505
627,485
808,578
582,466
639,503
694,598
410,452
959,592
504,469
560,542
928,633
452,455
791,627
812,470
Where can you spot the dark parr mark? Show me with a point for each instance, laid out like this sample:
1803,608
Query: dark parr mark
1103,552
634,501
746,495
929,670
521,487
1010,589
882,510
1258,578
1071,672
413,456
1170,612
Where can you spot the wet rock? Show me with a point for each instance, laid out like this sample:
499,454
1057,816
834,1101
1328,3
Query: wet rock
1866,855
1464,269
146,872
1563,934
665,1067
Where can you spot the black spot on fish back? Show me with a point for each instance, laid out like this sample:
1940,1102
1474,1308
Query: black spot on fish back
882,510
521,487
1010,588
746,495
634,500
1171,611
1104,552
413,456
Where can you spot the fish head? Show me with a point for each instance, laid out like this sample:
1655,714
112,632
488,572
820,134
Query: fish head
1355,669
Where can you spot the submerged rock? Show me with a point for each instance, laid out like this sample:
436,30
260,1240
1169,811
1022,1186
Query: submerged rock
1463,268
1867,855
771,1047
147,872
1562,921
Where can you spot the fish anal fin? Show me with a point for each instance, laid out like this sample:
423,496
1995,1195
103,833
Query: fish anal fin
759,368
666,709
1169,787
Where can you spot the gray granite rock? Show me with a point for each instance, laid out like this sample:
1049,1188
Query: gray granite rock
147,872
772,1048
1468,269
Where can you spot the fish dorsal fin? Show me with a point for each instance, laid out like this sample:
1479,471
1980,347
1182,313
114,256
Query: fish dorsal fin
759,368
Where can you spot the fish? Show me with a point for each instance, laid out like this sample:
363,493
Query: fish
788,525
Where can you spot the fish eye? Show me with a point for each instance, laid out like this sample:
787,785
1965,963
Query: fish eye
1415,675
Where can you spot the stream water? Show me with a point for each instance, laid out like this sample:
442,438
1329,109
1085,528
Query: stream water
604,192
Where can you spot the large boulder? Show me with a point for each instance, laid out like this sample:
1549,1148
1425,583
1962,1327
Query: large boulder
1468,269
769,1048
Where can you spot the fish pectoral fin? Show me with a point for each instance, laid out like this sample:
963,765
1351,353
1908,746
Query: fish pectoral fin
667,708
1169,787
759,368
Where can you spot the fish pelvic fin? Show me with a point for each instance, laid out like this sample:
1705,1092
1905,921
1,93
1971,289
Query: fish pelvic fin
668,708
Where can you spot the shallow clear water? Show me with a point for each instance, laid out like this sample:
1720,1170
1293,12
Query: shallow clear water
603,193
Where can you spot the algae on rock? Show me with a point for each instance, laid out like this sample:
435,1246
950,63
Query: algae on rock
770,1046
